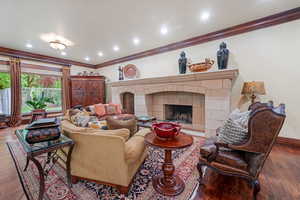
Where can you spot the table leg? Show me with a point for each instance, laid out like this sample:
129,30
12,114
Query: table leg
42,178
168,184
69,165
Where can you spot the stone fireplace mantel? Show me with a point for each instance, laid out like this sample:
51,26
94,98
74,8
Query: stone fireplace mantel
198,76
208,93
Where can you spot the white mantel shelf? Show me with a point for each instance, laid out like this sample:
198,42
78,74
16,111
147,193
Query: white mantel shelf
197,76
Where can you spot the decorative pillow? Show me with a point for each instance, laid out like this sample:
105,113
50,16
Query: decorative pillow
232,133
240,117
100,109
130,124
98,124
118,108
92,109
81,118
110,109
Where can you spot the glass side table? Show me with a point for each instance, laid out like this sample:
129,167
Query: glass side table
51,148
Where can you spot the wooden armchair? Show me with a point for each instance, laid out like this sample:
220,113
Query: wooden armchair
246,160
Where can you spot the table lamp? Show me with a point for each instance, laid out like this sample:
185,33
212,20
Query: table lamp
253,89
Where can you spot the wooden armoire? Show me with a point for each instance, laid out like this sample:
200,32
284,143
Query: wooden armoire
87,90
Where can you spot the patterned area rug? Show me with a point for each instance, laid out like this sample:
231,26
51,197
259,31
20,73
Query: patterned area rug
56,183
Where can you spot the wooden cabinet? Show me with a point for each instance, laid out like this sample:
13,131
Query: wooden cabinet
87,90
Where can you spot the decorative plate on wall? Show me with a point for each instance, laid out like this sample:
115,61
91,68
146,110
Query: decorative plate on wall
130,71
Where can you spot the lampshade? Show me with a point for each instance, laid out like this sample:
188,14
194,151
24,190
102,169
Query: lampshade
254,87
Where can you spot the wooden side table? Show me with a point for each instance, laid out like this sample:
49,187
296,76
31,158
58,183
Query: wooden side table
168,184
49,147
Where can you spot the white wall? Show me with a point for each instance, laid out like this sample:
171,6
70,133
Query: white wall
271,55
76,69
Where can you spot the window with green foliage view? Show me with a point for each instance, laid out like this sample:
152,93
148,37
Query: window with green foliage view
5,96
41,92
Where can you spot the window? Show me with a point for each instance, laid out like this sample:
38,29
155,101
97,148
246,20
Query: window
41,91
5,96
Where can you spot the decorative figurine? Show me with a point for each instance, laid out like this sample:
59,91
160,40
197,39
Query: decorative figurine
121,77
223,55
182,61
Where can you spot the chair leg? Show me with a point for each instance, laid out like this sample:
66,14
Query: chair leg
199,167
256,188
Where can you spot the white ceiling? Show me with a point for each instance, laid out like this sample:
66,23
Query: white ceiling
98,25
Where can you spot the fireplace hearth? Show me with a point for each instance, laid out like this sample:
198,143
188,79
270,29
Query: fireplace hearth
179,113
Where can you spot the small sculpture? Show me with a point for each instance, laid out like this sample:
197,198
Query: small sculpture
182,61
223,55
121,76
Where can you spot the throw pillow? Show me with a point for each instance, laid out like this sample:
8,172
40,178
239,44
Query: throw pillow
100,109
91,109
118,108
130,124
240,117
232,133
110,109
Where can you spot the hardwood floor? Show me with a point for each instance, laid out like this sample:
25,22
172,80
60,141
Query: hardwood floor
280,177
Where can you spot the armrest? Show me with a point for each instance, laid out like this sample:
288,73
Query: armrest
134,148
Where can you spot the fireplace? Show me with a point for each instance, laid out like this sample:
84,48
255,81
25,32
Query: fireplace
179,113
208,93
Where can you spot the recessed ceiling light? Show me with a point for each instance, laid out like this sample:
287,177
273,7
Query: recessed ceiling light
136,41
63,53
163,30
28,45
100,54
205,16
87,58
116,48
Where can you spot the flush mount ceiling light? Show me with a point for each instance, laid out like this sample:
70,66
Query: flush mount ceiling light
57,45
205,16
163,30
116,48
56,41
63,53
136,41
100,54
29,46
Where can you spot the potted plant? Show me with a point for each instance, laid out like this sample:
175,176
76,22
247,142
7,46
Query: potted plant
38,103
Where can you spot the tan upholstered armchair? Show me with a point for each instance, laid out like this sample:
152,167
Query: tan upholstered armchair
246,160
105,156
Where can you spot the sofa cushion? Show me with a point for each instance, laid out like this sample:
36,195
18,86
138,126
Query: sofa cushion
224,156
130,124
232,158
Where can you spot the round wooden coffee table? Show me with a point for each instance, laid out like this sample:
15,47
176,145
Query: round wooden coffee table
168,184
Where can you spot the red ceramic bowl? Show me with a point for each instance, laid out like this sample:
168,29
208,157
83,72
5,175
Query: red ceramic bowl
166,130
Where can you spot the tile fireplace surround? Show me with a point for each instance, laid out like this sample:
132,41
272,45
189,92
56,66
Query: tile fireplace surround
207,92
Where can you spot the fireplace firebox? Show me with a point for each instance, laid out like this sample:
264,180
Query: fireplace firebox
179,113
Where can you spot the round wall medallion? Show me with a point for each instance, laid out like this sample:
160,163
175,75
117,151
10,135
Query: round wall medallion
130,71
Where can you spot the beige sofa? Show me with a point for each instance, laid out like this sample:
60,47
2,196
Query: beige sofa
105,156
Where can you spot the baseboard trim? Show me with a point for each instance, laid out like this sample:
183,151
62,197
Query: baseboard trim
288,141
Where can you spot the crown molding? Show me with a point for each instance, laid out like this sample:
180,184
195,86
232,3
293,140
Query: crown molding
41,58
264,22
